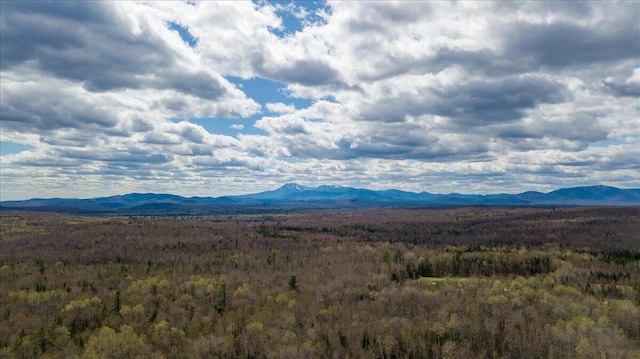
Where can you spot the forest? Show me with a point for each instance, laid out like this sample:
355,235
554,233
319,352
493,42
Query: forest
468,282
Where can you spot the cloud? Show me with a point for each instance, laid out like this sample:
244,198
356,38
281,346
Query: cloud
629,87
76,42
107,47
279,107
439,96
478,102
51,104
305,72
571,41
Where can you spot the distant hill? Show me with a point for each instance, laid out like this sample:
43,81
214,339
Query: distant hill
295,196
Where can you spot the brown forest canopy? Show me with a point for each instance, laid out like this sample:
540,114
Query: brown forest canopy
422,283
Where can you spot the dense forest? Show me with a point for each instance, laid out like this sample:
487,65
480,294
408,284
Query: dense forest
380,283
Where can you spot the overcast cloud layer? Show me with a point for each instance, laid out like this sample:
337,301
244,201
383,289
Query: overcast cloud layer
474,97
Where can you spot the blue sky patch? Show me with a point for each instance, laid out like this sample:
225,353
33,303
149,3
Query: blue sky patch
260,90
291,13
264,91
184,34
8,148
611,142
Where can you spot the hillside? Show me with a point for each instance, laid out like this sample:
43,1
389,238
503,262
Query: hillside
294,196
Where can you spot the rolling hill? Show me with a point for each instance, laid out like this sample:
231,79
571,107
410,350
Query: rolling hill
295,196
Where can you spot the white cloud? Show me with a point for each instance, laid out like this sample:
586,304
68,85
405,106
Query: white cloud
279,107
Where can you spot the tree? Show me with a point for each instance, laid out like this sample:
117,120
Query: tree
117,303
107,343
221,298
293,282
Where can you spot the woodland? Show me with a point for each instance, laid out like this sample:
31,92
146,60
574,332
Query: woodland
471,282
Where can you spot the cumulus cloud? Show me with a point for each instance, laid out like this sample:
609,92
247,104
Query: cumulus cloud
279,107
439,96
627,87
571,41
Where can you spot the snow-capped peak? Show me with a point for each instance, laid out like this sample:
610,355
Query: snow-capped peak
294,187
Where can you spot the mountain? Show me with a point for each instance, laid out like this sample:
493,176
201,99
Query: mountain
295,196
102,204
593,194
286,191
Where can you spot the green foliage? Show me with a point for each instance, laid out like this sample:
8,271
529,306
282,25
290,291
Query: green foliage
293,283
117,303
271,258
153,315
386,257
221,298
125,343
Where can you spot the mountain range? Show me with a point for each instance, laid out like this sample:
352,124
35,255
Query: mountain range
295,196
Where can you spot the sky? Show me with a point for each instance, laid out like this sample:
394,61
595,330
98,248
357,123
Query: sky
212,98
